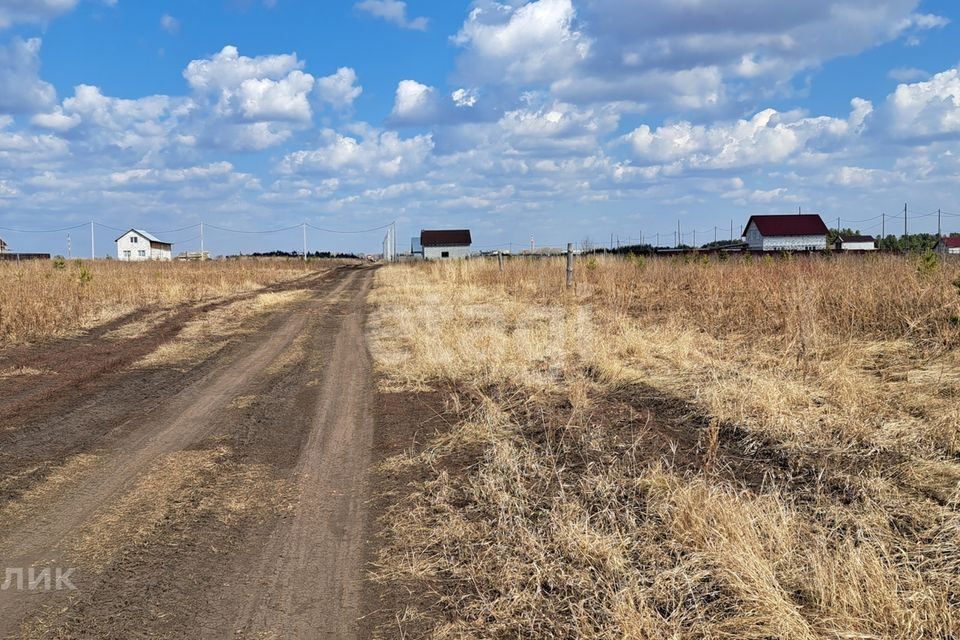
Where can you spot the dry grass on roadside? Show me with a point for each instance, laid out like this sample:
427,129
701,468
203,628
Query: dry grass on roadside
788,466
39,300
207,334
208,480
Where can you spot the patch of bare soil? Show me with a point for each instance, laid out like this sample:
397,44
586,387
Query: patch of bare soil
405,423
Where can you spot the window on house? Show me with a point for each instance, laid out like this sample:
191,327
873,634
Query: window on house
444,254
134,239
126,254
142,253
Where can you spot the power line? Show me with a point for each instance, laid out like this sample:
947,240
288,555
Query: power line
351,231
82,224
865,219
185,241
213,226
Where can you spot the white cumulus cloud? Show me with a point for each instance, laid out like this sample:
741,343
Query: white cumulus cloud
56,120
340,89
413,101
249,103
708,55
376,153
227,69
394,11
769,137
21,89
925,109
533,42
464,97
35,11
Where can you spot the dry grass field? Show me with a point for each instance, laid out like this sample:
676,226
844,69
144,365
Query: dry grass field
43,299
753,449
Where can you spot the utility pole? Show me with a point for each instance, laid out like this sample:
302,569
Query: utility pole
569,265
304,241
714,234
69,254
904,226
939,228
694,237
93,245
883,225
201,241
679,235
731,230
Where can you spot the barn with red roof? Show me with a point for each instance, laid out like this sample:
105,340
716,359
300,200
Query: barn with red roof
786,232
950,245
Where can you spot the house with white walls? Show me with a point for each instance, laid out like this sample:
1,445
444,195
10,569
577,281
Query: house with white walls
786,232
137,246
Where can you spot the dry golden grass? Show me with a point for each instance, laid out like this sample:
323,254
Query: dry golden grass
39,300
207,334
798,477
219,485
54,484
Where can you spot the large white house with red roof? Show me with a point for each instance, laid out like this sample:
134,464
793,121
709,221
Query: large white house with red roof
787,232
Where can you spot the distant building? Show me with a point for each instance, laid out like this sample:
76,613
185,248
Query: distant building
3,245
7,256
855,243
137,246
949,245
789,232
544,251
192,256
416,249
445,243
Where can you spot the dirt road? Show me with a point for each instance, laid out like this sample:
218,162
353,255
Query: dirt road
191,484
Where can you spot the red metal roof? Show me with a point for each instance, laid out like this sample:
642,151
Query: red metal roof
807,224
444,237
953,242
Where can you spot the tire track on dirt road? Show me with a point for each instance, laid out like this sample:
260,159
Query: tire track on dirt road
308,581
170,426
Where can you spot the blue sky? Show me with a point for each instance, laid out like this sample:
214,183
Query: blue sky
561,119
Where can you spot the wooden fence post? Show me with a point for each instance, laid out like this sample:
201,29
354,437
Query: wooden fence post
569,265
500,259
